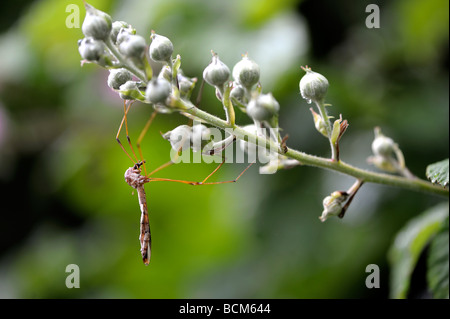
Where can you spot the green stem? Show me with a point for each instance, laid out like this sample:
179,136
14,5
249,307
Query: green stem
311,160
122,60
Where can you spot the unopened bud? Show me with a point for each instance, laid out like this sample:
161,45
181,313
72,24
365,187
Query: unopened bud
201,135
158,90
161,48
97,24
246,72
313,86
117,26
238,93
186,85
263,107
179,137
117,77
123,35
382,146
217,72
130,91
91,49
133,46
254,151
333,204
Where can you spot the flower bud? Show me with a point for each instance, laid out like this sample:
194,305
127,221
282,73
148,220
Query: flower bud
238,93
117,77
133,46
123,34
254,151
246,72
382,163
96,24
185,85
117,26
217,72
91,49
158,90
179,137
313,86
333,204
201,135
263,107
129,91
382,146
161,48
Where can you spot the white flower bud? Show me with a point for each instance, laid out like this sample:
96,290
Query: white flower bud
255,152
161,48
263,107
129,91
217,72
238,93
158,90
117,77
133,46
123,35
246,72
97,24
91,49
186,85
201,135
117,26
382,146
333,204
313,86
179,137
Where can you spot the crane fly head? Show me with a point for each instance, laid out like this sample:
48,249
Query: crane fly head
133,176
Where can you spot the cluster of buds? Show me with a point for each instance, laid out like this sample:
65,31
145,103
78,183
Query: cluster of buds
116,47
244,92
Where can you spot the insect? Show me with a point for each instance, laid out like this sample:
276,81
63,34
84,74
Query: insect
137,180
134,178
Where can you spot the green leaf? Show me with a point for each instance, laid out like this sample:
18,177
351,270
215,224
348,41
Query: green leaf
438,172
409,244
437,275
335,132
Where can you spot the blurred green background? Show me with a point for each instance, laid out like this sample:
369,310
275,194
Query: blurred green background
64,200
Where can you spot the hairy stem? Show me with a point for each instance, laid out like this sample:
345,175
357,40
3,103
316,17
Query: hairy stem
311,160
123,63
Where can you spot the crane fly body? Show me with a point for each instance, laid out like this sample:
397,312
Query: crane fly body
134,178
137,179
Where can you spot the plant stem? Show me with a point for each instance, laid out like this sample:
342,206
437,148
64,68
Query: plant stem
123,63
311,160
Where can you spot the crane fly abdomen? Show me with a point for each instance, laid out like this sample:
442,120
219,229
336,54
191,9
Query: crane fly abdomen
134,178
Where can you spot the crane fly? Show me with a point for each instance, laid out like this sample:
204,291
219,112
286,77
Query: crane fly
134,178
137,180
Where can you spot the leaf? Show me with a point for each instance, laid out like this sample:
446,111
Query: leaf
437,275
438,172
335,132
409,244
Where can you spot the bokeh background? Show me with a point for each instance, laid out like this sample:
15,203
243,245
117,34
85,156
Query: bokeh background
64,200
